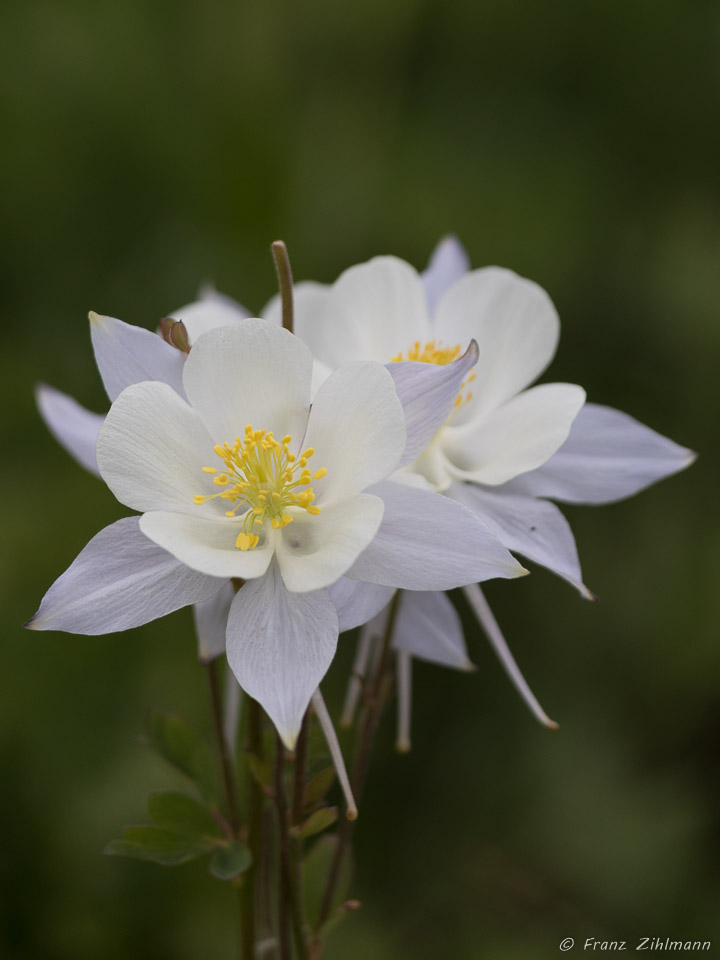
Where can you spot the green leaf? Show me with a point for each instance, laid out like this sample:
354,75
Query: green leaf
160,846
184,748
319,820
184,816
315,873
318,786
229,861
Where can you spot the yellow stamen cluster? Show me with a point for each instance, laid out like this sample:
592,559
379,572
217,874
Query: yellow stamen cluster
432,352
435,351
261,474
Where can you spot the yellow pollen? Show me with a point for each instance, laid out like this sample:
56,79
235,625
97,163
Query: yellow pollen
435,351
264,479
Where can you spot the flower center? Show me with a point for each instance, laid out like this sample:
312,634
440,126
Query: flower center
263,476
435,351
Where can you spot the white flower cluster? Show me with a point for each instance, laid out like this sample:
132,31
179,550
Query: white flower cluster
288,485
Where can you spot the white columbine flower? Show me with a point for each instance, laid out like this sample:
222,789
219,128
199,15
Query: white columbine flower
504,448
241,478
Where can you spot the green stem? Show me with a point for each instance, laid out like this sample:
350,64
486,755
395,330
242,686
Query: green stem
285,282
375,700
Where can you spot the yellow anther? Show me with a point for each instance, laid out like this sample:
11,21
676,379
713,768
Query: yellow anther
263,479
435,351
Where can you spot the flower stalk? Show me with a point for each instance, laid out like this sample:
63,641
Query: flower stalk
285,282
375,699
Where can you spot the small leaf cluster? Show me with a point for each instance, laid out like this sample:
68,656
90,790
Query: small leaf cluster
184,828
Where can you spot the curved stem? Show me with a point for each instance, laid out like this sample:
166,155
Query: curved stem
285,282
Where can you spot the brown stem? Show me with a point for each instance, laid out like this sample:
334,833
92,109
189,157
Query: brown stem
226,765
301,755
285,282
255,829
375,698
284,893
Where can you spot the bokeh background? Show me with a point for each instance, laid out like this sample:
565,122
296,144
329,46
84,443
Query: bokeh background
151,146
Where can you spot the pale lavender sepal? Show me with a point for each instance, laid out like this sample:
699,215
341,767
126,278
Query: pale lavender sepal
118,581
608,456
74,427
211,618
534,528
279,646
357,602
448,262
428,392
126,354
427,541
429,628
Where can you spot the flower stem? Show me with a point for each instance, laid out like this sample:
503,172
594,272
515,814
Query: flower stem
226,765
255,831
285,282
374,702
288,894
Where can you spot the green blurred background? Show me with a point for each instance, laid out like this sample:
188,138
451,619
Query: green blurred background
150,146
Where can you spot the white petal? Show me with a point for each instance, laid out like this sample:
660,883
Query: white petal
534,528
608,456
120,580
280,645
517,437
309,304
211,623
314,551
428,542
428,393
372,312
151,451
207,544
516,327
429,627
212,310
449,261
126,354
357,429
357,602
253,372
74,427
